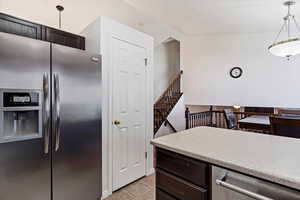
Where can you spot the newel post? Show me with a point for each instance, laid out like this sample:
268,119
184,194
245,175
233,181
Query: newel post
187,117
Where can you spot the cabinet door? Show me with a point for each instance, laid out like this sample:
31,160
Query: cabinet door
179,188
160,195
63,38
13,25
186,168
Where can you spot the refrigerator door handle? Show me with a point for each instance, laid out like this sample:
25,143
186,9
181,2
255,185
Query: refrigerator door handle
46,111
57,110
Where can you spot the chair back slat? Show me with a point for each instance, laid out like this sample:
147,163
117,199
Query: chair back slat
230,119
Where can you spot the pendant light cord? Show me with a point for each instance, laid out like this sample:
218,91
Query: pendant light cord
59,19
282,27
289,22
295,21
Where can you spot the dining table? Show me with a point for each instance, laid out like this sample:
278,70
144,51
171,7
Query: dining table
256,122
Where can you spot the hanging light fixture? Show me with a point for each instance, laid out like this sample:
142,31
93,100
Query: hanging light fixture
290,46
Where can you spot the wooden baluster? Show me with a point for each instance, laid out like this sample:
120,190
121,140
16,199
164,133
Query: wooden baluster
193,121
223,120
200,120
220,119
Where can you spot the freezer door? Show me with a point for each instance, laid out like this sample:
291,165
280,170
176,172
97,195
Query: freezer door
76,124
24,161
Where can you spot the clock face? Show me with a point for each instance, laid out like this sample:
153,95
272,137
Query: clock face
236,72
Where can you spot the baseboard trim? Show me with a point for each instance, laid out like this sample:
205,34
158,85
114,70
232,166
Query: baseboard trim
105,194
150,172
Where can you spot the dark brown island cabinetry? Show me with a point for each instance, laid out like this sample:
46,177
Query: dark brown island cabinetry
181,178
13,25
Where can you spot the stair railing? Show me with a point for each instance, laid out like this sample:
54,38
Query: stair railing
166,102
213,118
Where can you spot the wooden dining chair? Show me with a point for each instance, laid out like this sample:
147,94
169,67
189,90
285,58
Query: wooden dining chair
285,126
230,118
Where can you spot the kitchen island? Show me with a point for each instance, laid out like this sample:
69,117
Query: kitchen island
186,158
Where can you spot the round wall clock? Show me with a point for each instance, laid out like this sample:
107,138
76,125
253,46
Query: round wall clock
236,72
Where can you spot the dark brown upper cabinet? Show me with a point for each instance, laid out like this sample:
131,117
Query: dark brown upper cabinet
64,38
13,25
10,24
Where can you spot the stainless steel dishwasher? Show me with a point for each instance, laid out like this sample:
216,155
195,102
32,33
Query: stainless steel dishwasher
228,185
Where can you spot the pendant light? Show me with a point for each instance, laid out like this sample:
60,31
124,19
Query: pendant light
290,46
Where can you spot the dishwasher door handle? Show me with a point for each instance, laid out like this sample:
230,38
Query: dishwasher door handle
241,190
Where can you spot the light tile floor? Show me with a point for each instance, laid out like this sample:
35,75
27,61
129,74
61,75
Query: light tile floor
143,189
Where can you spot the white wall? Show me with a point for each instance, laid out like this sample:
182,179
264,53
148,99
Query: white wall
176,118
267,80
167,65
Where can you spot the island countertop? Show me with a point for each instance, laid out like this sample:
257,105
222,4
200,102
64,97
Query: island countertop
272,158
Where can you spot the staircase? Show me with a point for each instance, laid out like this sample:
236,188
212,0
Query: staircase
165,104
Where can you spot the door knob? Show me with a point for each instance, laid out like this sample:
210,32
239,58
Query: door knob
116,122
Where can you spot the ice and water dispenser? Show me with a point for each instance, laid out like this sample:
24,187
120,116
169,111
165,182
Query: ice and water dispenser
20,115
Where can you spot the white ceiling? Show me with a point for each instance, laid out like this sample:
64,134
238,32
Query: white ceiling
202,17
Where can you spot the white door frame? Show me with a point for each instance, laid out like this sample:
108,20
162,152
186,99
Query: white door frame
111,29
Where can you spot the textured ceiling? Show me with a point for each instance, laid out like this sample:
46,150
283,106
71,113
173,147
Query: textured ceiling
202,17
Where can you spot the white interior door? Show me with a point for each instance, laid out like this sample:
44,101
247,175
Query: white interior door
129,112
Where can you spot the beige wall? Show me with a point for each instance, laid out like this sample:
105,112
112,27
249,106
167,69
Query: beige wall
79,13
166,65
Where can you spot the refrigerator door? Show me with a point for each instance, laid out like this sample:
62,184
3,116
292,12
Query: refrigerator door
24,162
76,124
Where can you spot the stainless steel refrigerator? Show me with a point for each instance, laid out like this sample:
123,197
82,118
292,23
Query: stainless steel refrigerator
50,121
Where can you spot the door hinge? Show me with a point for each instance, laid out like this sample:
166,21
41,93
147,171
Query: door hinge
146,61
146,155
